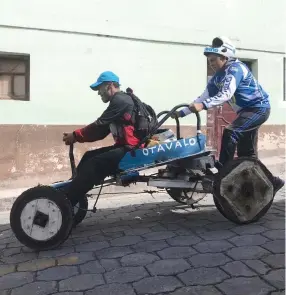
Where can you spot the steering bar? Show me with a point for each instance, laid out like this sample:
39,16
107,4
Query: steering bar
178,131
173,111
169,114
72,162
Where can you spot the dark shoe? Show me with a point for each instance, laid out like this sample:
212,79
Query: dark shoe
278,183
218,165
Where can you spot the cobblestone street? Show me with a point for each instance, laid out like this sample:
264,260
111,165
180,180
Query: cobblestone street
151,245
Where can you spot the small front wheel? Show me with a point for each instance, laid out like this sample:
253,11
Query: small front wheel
41,218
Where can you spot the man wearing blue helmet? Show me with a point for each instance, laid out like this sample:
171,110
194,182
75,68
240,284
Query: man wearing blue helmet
119,120
234,83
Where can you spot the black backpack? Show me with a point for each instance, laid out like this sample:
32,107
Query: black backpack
145,116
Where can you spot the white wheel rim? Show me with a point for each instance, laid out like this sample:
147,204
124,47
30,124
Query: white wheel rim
35,231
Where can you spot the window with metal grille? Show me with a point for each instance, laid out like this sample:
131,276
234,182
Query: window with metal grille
14,77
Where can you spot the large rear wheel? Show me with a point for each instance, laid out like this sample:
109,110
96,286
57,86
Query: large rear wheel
243,190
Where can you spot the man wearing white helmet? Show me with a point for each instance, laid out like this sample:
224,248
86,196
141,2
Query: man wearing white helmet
234,83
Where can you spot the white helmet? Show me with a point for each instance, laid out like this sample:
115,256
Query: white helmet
221,46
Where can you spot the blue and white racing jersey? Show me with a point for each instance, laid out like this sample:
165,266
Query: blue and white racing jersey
236,85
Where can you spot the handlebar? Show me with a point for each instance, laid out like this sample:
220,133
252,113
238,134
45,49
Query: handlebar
173,111
178,131
169,114
72,162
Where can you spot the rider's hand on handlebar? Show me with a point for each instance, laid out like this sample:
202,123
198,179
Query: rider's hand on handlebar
69,138
196,107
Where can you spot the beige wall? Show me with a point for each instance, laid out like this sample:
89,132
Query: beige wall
36,153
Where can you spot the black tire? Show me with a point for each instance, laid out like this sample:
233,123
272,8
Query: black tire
39,193
222,205
175,194
81,212
237,221
219,207
78,214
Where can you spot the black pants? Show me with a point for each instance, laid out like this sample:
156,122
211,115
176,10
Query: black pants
242,134
93,168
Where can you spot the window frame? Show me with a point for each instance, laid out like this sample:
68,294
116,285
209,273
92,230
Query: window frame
24,58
